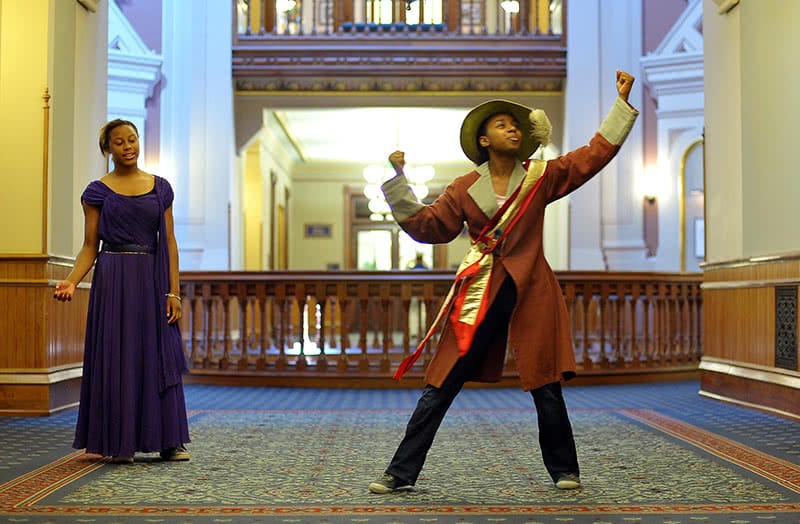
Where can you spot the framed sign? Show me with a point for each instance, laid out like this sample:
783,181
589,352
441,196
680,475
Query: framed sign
317,230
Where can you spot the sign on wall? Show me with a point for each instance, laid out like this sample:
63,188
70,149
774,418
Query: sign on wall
318,230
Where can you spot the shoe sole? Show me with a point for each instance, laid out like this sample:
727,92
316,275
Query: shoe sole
568,484
380,489
178,457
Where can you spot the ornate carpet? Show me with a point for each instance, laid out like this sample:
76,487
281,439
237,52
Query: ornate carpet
638,465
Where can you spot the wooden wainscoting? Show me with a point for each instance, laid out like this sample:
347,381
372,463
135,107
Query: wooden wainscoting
41,340
751,343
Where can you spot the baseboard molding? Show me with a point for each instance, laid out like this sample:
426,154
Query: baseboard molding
41,376
767,389
750,405
770,375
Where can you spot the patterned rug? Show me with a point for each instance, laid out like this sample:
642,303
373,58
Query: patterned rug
638,465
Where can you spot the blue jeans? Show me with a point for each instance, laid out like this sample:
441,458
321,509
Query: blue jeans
555,432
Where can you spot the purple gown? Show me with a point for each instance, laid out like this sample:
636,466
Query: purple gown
131,392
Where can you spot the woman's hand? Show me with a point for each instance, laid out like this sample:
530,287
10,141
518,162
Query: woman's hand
398,161
64,291
173,309
624,84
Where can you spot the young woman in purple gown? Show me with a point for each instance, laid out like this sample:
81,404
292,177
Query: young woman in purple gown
131,392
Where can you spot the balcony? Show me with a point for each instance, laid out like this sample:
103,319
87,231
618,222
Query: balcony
389,45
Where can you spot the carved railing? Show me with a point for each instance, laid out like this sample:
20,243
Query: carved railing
398,17
378,45
362,324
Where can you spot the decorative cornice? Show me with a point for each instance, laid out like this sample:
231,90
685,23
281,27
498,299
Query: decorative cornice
674,74
449,62
395,85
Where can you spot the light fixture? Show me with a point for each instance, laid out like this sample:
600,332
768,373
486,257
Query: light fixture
510,6
284,6
650,185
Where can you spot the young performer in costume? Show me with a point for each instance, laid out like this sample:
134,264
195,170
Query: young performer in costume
505,294
131,389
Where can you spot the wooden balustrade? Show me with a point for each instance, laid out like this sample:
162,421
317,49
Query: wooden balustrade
397,17
362,324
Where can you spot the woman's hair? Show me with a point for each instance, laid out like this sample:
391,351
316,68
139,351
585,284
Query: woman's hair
105,132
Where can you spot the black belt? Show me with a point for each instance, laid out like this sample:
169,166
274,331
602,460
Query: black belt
129,249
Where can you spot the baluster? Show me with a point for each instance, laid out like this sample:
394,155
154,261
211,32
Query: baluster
691,311
244,332
332,321
208,315
681,349
663,319
586,297
344,332
375,321
249,13
618,310
430,315
226,327
405,315
302,328
674,327
280,313
636,354
649,327
603,305
292,321
261,299
363,302
386,311
191,311
322,300
524,17
569,300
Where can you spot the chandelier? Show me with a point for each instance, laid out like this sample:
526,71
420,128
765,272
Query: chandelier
375,175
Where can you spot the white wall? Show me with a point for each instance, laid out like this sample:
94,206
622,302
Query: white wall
605,214
197,137
770,108
723,109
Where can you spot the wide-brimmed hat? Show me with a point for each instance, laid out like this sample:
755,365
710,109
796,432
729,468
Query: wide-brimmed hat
533,124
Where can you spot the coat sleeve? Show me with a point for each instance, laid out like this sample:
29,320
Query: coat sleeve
568,172
437,223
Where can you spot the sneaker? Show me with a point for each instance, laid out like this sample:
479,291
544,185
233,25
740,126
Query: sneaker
568,481
176,454
122,460
389,484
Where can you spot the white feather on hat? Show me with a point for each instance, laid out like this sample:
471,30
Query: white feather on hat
541,129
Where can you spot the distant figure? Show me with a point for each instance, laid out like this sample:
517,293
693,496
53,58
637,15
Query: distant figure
419,263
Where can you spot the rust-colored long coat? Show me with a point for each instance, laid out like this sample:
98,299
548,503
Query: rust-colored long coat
539,332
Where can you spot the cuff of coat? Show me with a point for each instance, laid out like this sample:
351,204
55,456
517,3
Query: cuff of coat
619,122
400,198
